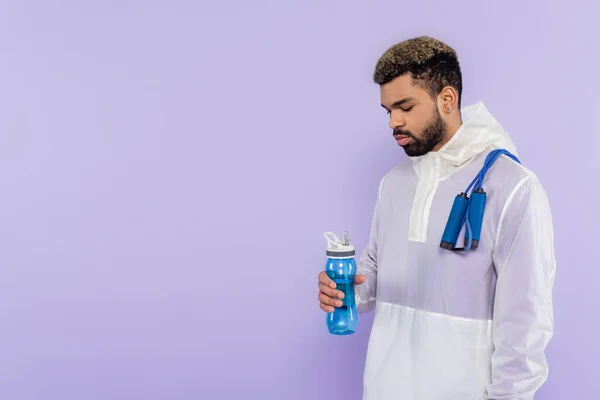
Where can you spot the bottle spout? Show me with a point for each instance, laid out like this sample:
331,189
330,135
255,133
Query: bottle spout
337,246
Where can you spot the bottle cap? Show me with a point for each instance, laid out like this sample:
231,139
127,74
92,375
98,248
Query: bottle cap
337,247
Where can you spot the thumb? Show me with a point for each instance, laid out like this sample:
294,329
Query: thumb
360,279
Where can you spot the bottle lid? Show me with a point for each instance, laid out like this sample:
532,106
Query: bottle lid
337,247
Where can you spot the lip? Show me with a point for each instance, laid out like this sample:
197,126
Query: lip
402,140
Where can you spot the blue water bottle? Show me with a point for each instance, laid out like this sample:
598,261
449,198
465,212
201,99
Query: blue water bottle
341,268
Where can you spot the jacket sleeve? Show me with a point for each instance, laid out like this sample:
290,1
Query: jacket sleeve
367,264
523,320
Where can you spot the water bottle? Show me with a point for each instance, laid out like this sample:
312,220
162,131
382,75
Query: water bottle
341,268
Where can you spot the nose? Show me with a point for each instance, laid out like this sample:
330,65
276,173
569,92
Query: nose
396,121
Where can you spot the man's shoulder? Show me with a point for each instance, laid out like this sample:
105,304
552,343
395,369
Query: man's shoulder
510,174
403,169
513,183
400,175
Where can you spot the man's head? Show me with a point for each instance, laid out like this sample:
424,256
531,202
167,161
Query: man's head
418,78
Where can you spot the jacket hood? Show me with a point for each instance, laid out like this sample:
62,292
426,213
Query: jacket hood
479,132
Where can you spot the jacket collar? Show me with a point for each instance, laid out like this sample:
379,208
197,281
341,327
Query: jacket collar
479,132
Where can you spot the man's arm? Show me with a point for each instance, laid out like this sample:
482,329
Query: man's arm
367,264
523,320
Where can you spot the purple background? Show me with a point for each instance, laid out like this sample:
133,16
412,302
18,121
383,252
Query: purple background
167,169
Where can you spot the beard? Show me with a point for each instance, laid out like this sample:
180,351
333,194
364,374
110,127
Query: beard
431,136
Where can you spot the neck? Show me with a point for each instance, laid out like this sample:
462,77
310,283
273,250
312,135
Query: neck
453,123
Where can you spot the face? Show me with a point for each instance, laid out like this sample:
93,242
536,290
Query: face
415,119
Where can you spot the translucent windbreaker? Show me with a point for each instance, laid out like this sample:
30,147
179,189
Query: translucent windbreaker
459,325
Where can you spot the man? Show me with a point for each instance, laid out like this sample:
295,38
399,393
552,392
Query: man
451,325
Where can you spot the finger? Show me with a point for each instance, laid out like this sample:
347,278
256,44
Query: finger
323,278
326,308
331,292
360,279
323,298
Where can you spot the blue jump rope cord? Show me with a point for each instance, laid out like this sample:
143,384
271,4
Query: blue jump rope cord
478,182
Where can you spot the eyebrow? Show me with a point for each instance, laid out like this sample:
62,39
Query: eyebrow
400,102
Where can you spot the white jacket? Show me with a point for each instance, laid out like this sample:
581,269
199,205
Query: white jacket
459,325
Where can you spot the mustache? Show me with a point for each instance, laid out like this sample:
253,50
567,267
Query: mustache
400,132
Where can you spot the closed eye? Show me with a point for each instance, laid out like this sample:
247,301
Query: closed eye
407,109
398,105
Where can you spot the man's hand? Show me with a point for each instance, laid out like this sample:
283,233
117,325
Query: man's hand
329,297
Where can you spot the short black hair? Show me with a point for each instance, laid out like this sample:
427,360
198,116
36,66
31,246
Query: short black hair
432,64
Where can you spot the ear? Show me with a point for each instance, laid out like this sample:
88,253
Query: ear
448,98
